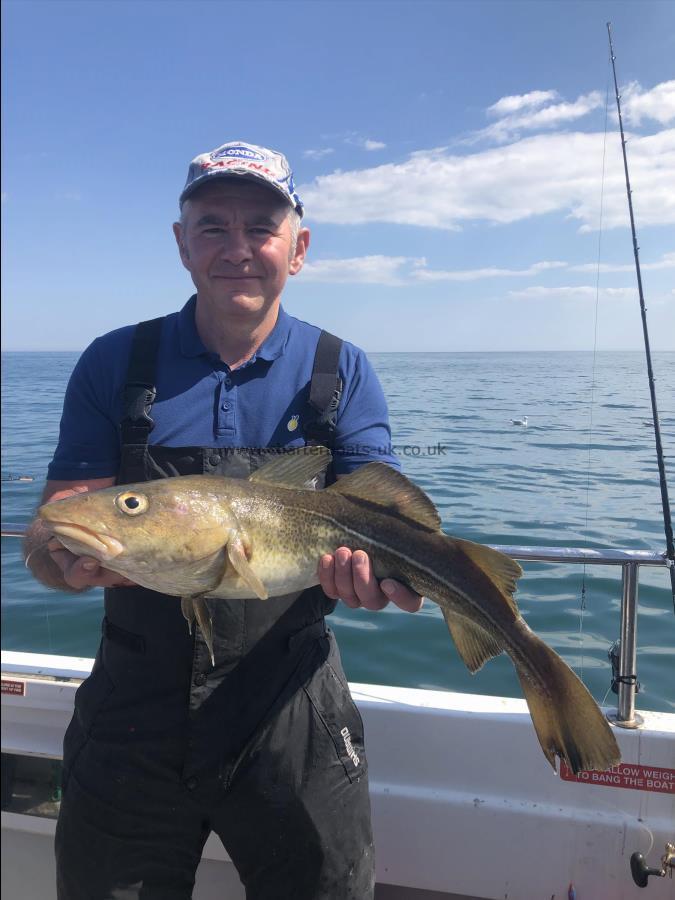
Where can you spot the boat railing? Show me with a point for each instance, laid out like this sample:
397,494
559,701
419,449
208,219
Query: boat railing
625,678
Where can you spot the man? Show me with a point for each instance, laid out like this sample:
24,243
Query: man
265,747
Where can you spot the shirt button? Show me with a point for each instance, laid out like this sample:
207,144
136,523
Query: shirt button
191,783
225,407
199,679
228,381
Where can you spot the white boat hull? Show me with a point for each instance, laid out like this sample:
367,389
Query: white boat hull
464,802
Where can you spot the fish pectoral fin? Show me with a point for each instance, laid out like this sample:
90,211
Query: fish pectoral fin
237,555
475,645
295,469
203,616
188,610
378,485
503,571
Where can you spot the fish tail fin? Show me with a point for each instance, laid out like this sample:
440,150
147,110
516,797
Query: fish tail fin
203,616
566,718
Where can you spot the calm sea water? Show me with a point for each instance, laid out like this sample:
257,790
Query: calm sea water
582,474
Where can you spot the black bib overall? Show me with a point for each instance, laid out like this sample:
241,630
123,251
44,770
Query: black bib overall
265,748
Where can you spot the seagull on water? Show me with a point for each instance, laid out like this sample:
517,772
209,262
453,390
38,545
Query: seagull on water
522,422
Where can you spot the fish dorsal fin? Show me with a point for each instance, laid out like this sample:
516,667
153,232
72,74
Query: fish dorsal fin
296,469
500,568
379,485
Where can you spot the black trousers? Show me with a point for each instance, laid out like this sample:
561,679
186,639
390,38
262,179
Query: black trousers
294,815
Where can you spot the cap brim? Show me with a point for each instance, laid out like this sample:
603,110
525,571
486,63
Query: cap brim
237,176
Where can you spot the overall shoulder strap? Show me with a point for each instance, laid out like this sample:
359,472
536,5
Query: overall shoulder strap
325,390
139,390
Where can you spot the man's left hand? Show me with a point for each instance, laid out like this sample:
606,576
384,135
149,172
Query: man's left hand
349,577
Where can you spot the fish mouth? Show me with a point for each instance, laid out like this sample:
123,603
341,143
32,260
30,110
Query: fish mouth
104,546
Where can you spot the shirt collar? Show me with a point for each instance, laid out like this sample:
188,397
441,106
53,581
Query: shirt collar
275,343
191,344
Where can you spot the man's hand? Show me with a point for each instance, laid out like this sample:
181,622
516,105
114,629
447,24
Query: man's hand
83,572
49,560
349,577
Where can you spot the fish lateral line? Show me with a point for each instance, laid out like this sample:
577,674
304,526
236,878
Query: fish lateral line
361,537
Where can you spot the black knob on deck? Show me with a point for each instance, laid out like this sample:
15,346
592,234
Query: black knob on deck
641,871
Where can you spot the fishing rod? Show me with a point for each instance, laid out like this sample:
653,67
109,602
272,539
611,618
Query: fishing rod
665,503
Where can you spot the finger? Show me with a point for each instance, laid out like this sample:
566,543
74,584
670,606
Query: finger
62,557
67,492
366,585
402,596
343,577
84,572
80,571
327,576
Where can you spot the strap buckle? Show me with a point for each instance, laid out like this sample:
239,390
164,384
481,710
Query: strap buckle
138,399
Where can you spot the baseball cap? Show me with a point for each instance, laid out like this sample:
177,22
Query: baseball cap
242,160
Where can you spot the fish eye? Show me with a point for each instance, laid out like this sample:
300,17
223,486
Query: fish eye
130,503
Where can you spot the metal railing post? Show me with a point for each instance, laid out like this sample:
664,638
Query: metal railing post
626,716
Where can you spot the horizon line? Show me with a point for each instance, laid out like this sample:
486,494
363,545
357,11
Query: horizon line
393,352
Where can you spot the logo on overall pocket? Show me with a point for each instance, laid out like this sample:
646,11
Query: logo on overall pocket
292,423
351,752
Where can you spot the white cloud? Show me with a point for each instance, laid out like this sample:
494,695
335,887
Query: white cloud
533,118
539,292
424,274
509,105
387,270
317,154
657,104
408,270
667,261
354,139
530,177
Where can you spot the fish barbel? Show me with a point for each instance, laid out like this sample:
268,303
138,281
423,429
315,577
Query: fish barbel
200,537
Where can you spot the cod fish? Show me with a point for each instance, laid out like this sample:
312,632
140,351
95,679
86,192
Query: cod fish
203,537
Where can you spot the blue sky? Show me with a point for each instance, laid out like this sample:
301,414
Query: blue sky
449,154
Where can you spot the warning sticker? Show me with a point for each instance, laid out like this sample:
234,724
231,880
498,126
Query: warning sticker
627,775
13,687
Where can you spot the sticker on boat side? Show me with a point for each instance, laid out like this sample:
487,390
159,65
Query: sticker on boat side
627,775
14,687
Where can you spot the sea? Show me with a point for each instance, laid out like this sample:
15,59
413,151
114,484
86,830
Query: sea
581,473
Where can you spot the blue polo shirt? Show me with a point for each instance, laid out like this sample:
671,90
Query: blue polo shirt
202,402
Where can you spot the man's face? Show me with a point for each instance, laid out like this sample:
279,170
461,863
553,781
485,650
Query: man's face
235,241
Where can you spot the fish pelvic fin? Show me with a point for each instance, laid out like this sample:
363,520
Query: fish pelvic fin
203,617
237,555
296,469
188,610
503,571
378,485
475,645
567,720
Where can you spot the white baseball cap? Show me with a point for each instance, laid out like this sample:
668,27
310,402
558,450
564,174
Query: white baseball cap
238,159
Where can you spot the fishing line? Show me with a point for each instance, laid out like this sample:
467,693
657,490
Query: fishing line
582,605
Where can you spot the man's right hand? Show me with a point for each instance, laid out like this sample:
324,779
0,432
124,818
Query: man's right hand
49,560
83,572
